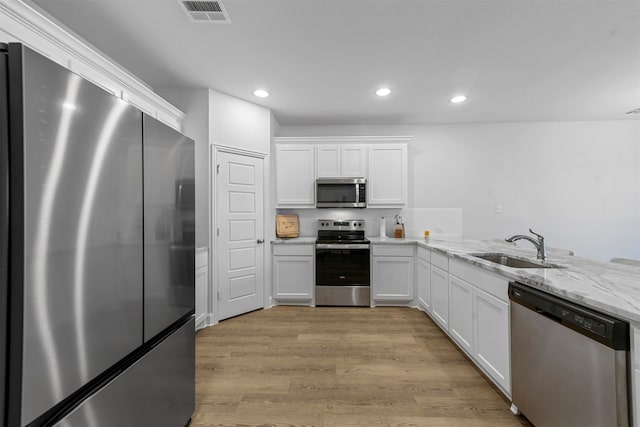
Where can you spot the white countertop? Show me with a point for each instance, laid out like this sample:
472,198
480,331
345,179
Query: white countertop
608,287
294,240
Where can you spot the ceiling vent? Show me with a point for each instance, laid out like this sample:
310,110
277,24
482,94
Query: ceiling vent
206,11
636,111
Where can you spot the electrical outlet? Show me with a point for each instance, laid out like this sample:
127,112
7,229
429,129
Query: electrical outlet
498,208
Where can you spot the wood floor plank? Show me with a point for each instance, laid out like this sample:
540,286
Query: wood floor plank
339,366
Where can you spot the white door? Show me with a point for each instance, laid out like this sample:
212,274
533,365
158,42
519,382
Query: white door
239,234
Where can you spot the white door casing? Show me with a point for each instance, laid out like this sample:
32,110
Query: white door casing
239,233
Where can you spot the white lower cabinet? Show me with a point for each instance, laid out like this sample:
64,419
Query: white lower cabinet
491,337
423,272
440,296
634,390
293,273
202,288
479,319
392,275
461,313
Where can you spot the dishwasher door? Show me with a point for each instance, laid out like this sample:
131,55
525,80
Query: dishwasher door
568,363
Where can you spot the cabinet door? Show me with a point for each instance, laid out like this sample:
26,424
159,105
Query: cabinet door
387,182
328,161
491,337
295,175
634,366
636,397
353,161
293,277
461,313
345,161
202,288
392,278
424,285
440,296
201,296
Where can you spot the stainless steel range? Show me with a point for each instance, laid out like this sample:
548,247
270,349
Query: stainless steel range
342,263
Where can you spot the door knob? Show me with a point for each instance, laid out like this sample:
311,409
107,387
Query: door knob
260,241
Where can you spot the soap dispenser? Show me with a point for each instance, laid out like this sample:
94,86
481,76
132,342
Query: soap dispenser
399,230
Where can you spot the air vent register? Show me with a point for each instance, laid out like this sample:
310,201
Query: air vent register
206,11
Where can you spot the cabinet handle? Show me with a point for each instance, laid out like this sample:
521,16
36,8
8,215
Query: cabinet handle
260,241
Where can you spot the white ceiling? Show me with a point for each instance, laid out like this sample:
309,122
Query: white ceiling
516,60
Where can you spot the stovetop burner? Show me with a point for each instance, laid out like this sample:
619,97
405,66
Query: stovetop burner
340,231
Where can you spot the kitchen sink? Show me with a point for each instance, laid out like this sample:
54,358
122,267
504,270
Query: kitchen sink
514,261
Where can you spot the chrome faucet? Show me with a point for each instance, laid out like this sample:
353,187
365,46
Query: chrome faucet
539,244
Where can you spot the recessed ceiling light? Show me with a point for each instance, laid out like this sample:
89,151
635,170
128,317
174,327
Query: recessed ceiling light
458,98
383,91
261,93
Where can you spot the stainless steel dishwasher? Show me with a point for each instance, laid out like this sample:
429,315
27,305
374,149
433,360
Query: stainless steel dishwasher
568,362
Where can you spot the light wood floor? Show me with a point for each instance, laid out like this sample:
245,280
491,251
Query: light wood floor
325,366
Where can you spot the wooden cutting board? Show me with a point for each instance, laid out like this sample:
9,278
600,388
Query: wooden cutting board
287,226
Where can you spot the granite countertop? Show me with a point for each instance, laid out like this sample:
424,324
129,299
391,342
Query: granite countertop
608,287
294,240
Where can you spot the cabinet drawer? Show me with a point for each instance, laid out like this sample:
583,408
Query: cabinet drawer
424,254
440,260
491,283
393,250
289,249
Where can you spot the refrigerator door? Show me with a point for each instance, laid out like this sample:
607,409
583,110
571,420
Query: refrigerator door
169,226
157,391
77,259
4,222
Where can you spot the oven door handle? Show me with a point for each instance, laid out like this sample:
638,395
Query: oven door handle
341,246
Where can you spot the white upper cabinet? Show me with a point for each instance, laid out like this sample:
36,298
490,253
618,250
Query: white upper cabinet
382,160
295,175
354,161
387,180
341,161
328,161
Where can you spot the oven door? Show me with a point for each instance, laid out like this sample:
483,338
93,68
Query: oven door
342,275
342,264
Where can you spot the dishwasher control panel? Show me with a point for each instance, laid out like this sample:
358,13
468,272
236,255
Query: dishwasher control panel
601,327
585,322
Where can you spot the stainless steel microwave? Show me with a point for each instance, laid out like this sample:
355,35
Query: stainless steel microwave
341,193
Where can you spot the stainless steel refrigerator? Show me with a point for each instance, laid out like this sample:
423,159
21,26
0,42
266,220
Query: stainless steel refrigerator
96,255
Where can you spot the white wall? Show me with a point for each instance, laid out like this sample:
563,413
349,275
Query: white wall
238,123
195,104
577,183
